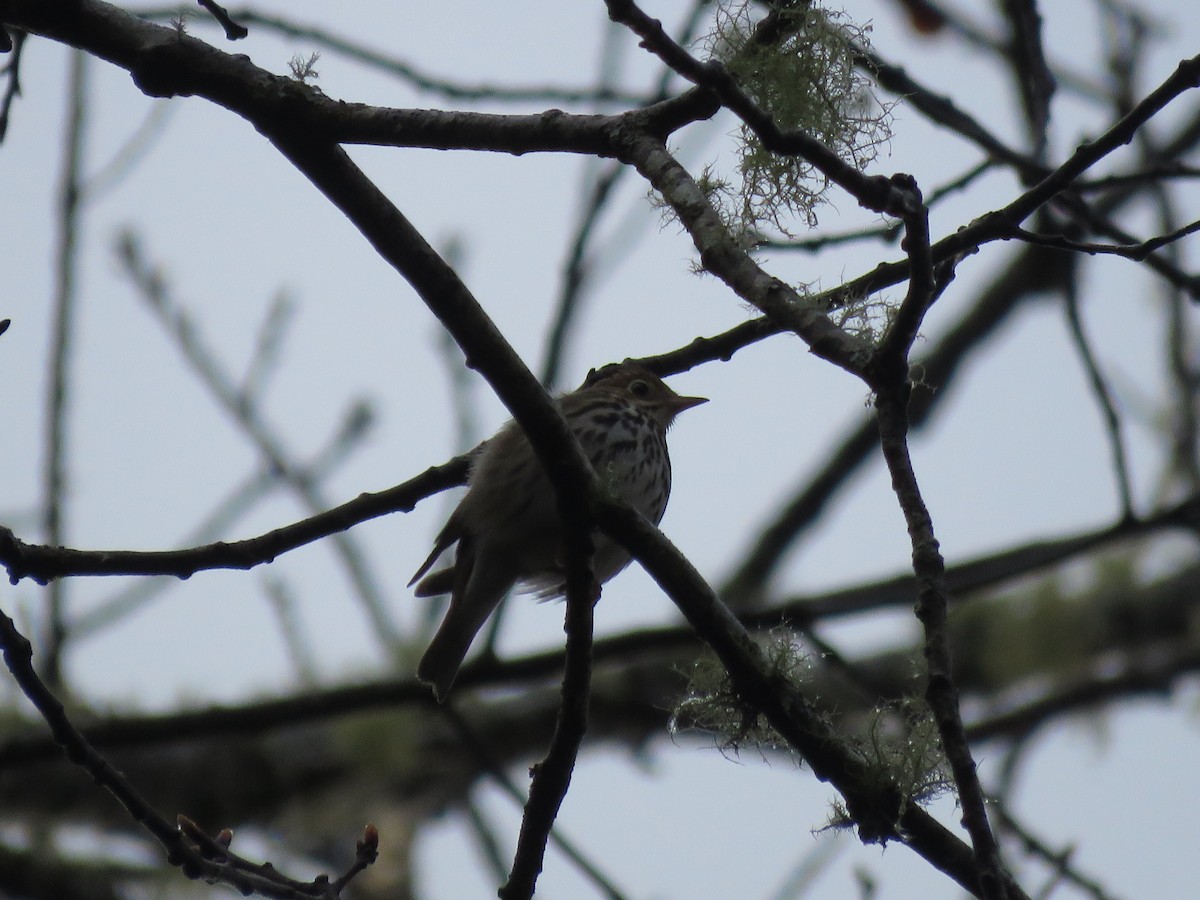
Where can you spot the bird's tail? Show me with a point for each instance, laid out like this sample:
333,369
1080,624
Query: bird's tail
441,662
480,583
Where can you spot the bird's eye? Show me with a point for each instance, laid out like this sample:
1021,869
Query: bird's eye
639,388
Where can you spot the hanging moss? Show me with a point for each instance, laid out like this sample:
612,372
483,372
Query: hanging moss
801,71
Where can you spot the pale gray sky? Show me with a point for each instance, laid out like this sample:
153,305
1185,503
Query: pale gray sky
1016,455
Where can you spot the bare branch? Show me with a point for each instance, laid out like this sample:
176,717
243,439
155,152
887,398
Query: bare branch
44,563
55,488
210,862
238,404
233,30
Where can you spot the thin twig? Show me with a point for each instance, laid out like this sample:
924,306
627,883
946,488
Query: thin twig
1029,68
154,290
575,272
406,71
238,500
1149,175
1185,429
299,648
221,866
1059,860
811,865
66,261
889,232
268,349
1103,396
43,563
476,746
1160,264
485,837
233,30
12,88
1138,252
126,158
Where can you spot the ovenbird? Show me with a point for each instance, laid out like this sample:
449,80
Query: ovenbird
507,525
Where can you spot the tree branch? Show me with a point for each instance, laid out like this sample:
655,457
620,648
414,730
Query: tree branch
889,377
45,563
873,192
874,806
196,863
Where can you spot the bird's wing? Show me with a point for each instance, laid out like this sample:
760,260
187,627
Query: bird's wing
448,535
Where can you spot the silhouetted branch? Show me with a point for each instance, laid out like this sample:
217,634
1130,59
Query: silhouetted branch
268,349
11,69
1152,672
639,681
1138,252
1060,861
406,71
552,776
44,563
127,157
487,762
232,29
889,379
1100,390
54,487
575,272
570,474
1029,68
207,862
241,407
874,193
354,428
873,805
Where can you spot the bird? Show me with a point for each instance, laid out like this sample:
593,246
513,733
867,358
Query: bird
507,527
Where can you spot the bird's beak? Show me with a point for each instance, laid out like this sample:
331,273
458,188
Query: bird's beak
679,404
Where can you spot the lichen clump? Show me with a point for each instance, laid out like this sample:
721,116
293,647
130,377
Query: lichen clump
800,65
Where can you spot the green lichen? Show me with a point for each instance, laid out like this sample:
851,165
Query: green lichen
711,704
800,68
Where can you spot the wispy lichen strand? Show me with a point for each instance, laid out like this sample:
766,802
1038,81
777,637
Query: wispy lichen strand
798,65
